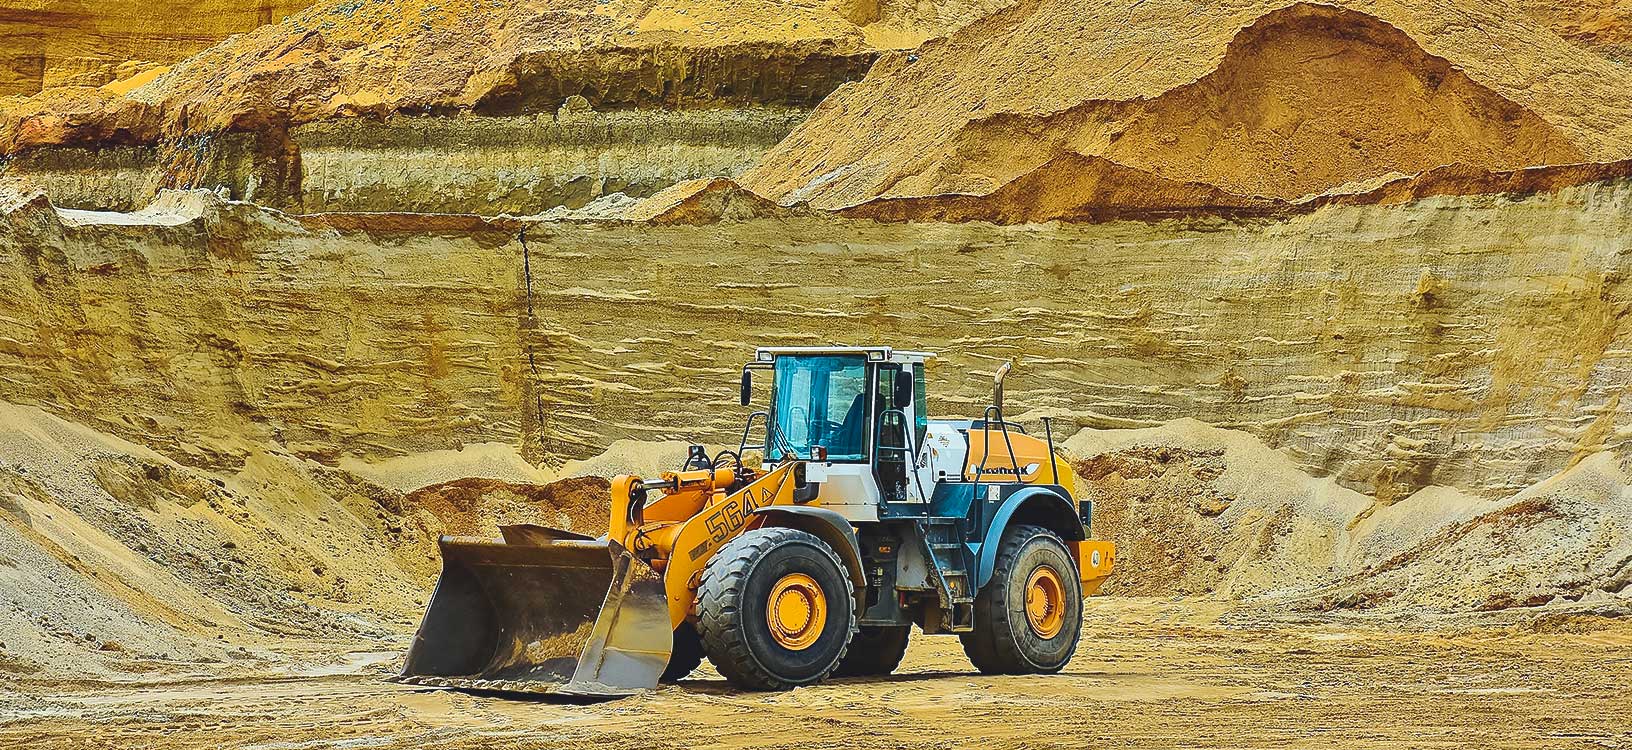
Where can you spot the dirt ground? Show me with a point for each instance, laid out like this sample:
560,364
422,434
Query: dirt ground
147,604
1150,673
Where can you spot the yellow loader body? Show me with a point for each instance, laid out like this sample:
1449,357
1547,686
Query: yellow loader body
870,519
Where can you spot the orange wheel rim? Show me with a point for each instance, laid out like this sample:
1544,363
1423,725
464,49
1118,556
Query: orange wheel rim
796,611
1045,602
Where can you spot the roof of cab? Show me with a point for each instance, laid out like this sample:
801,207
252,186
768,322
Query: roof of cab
878,353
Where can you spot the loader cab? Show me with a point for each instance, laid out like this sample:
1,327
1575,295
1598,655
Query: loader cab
856,415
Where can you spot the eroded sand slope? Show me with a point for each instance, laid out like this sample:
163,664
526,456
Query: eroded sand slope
1601,25
1215,512
387,56
1255,99
119,562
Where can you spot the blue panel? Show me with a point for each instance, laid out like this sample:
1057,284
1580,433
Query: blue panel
952,500
1049,503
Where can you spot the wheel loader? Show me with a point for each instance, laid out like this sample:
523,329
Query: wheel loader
863,518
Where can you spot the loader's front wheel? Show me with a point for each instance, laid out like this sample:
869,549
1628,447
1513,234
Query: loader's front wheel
1029,616
776,609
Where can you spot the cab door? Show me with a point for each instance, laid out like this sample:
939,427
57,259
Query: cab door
898,437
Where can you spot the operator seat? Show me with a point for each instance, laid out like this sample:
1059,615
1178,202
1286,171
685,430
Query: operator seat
846,441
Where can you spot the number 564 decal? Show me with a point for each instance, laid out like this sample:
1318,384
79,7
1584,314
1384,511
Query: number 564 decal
729,518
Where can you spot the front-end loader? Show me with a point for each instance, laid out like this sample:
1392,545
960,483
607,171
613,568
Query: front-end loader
865,518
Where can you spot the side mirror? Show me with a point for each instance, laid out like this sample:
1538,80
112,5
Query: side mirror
903,390
747,387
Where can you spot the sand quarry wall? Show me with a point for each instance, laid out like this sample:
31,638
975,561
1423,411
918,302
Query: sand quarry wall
487,165
47,43
410,106
1476,342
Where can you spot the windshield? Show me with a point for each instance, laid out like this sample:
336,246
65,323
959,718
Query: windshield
819,401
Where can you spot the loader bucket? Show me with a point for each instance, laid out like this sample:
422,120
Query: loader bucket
529,616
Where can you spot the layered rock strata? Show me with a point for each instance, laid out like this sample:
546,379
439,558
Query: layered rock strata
1475,341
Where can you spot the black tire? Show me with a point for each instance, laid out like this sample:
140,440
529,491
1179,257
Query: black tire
1004,640
733,601
875,650
687,653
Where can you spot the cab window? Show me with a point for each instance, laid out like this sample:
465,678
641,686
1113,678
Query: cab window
821,401
920,406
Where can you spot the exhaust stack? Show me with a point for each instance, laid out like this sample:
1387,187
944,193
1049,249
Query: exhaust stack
997,386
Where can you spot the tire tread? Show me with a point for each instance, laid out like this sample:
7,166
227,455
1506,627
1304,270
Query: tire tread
720,606
991,647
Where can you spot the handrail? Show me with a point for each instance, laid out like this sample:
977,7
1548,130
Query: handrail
986,453
1048,430
771,434
742,446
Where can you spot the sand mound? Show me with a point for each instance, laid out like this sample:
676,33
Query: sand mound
703,201
630,457
353,57
498,461
477,507
1201,510
1601,25
1254,98
116,561
1070,187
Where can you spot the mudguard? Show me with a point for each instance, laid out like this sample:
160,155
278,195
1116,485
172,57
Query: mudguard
831,528
1043,506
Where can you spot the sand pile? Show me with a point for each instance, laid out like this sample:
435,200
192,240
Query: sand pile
702,201
349,57
476,507
117,561
1601,25
1201,510
1176,103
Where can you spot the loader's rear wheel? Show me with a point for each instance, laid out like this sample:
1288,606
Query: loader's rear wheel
776,609
687,653
1029,616
875,650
